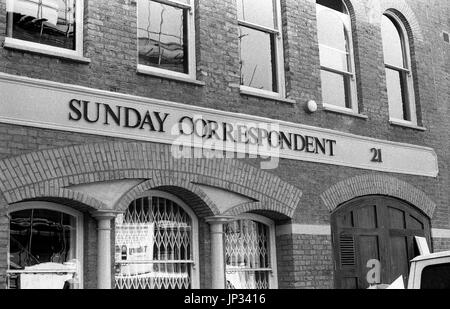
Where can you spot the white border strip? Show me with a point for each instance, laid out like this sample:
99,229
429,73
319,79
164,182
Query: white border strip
183,107
303,229
440,233
237,117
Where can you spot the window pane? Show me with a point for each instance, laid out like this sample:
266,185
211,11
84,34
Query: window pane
50,22
42,250
331,29
247,280
396,94
436,277
392,43
259,12
247,255
41,236
162,40
335,89
333,58
257,59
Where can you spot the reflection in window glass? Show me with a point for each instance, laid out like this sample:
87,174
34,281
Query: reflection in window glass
49,22
334,36
247,255
162,38
260,12
392,43
261,47
39,236
436,277
257,69
335,89
42,250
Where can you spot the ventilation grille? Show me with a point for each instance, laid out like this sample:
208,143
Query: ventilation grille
347,245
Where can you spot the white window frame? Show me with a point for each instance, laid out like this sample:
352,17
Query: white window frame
192,73
45,49
195,277
62,209
273,275
279,55
407,69
353,96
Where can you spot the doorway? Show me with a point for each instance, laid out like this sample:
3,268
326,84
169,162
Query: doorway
373,240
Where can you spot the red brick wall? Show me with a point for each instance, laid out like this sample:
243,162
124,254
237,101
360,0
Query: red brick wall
90,252
110,43
304,261
441,244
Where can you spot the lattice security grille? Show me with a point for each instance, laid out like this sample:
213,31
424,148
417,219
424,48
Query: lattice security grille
247,255
153,246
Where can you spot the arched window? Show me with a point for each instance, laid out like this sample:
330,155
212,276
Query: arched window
250,253
156,244
337,73
45,247
399,81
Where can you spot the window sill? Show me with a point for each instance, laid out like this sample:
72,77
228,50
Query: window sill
405,124
186,79
330,109
265,96
14,44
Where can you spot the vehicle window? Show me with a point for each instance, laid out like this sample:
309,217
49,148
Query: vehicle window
436,277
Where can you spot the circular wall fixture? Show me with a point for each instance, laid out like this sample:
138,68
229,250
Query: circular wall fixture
311,106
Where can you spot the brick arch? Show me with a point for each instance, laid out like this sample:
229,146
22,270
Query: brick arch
353,8
275,211
372,184
189,193
31,174
406,14
63,196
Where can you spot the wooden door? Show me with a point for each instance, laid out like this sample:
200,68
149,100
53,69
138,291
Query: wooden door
375,229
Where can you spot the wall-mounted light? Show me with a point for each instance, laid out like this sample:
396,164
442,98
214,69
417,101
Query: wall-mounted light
311,106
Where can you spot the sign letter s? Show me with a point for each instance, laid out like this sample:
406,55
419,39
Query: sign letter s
76,115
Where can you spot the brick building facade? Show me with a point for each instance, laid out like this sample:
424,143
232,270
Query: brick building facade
305,201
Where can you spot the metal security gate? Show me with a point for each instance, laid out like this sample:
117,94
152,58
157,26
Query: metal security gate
153,246
248,264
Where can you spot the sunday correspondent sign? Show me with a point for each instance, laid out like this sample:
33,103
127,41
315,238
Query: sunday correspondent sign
45,104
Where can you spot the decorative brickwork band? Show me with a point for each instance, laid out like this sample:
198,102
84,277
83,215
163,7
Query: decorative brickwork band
192,194
372,184
46,174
